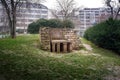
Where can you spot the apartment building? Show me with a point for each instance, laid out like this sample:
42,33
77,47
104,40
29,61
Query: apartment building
91,16
26,14
3,21
29,13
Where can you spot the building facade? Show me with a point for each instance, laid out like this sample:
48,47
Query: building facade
26,14
91,16
3,21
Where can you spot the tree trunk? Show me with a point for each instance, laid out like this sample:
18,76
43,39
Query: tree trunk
112,14
10,25
11,12
14,26
116,16
13,35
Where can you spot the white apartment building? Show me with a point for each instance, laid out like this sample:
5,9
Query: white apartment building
91,16
26,14
3,21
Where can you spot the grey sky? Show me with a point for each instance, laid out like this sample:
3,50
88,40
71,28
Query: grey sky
79,3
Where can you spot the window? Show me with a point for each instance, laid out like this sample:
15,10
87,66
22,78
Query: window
81,16
96,14
87,17
44,11
2,19
44,16
82,27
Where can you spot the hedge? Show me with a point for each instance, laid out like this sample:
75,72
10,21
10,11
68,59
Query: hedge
33,28
105,35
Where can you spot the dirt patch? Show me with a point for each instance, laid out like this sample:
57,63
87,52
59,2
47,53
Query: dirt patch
111,77
115,73
88,47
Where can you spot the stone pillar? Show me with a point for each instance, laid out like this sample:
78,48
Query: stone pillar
53,47
65,47
58,47
70,47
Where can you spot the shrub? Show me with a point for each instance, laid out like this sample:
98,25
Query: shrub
42,22
53,23
105,34
33,28
68,24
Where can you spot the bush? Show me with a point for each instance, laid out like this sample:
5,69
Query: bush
53,23
33,28
42,22
105,34
68,24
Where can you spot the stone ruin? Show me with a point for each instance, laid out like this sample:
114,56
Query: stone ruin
59,40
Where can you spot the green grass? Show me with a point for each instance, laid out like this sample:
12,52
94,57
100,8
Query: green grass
22,59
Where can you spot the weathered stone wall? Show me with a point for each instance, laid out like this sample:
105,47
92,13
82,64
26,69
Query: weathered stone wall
48,34
45,38
71,36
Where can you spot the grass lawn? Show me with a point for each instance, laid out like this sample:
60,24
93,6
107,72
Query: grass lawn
22,59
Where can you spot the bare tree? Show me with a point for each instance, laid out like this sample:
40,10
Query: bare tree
114,6
54,13
36,1
11,7
66,7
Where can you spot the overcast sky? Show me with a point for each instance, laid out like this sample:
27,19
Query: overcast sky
79,3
